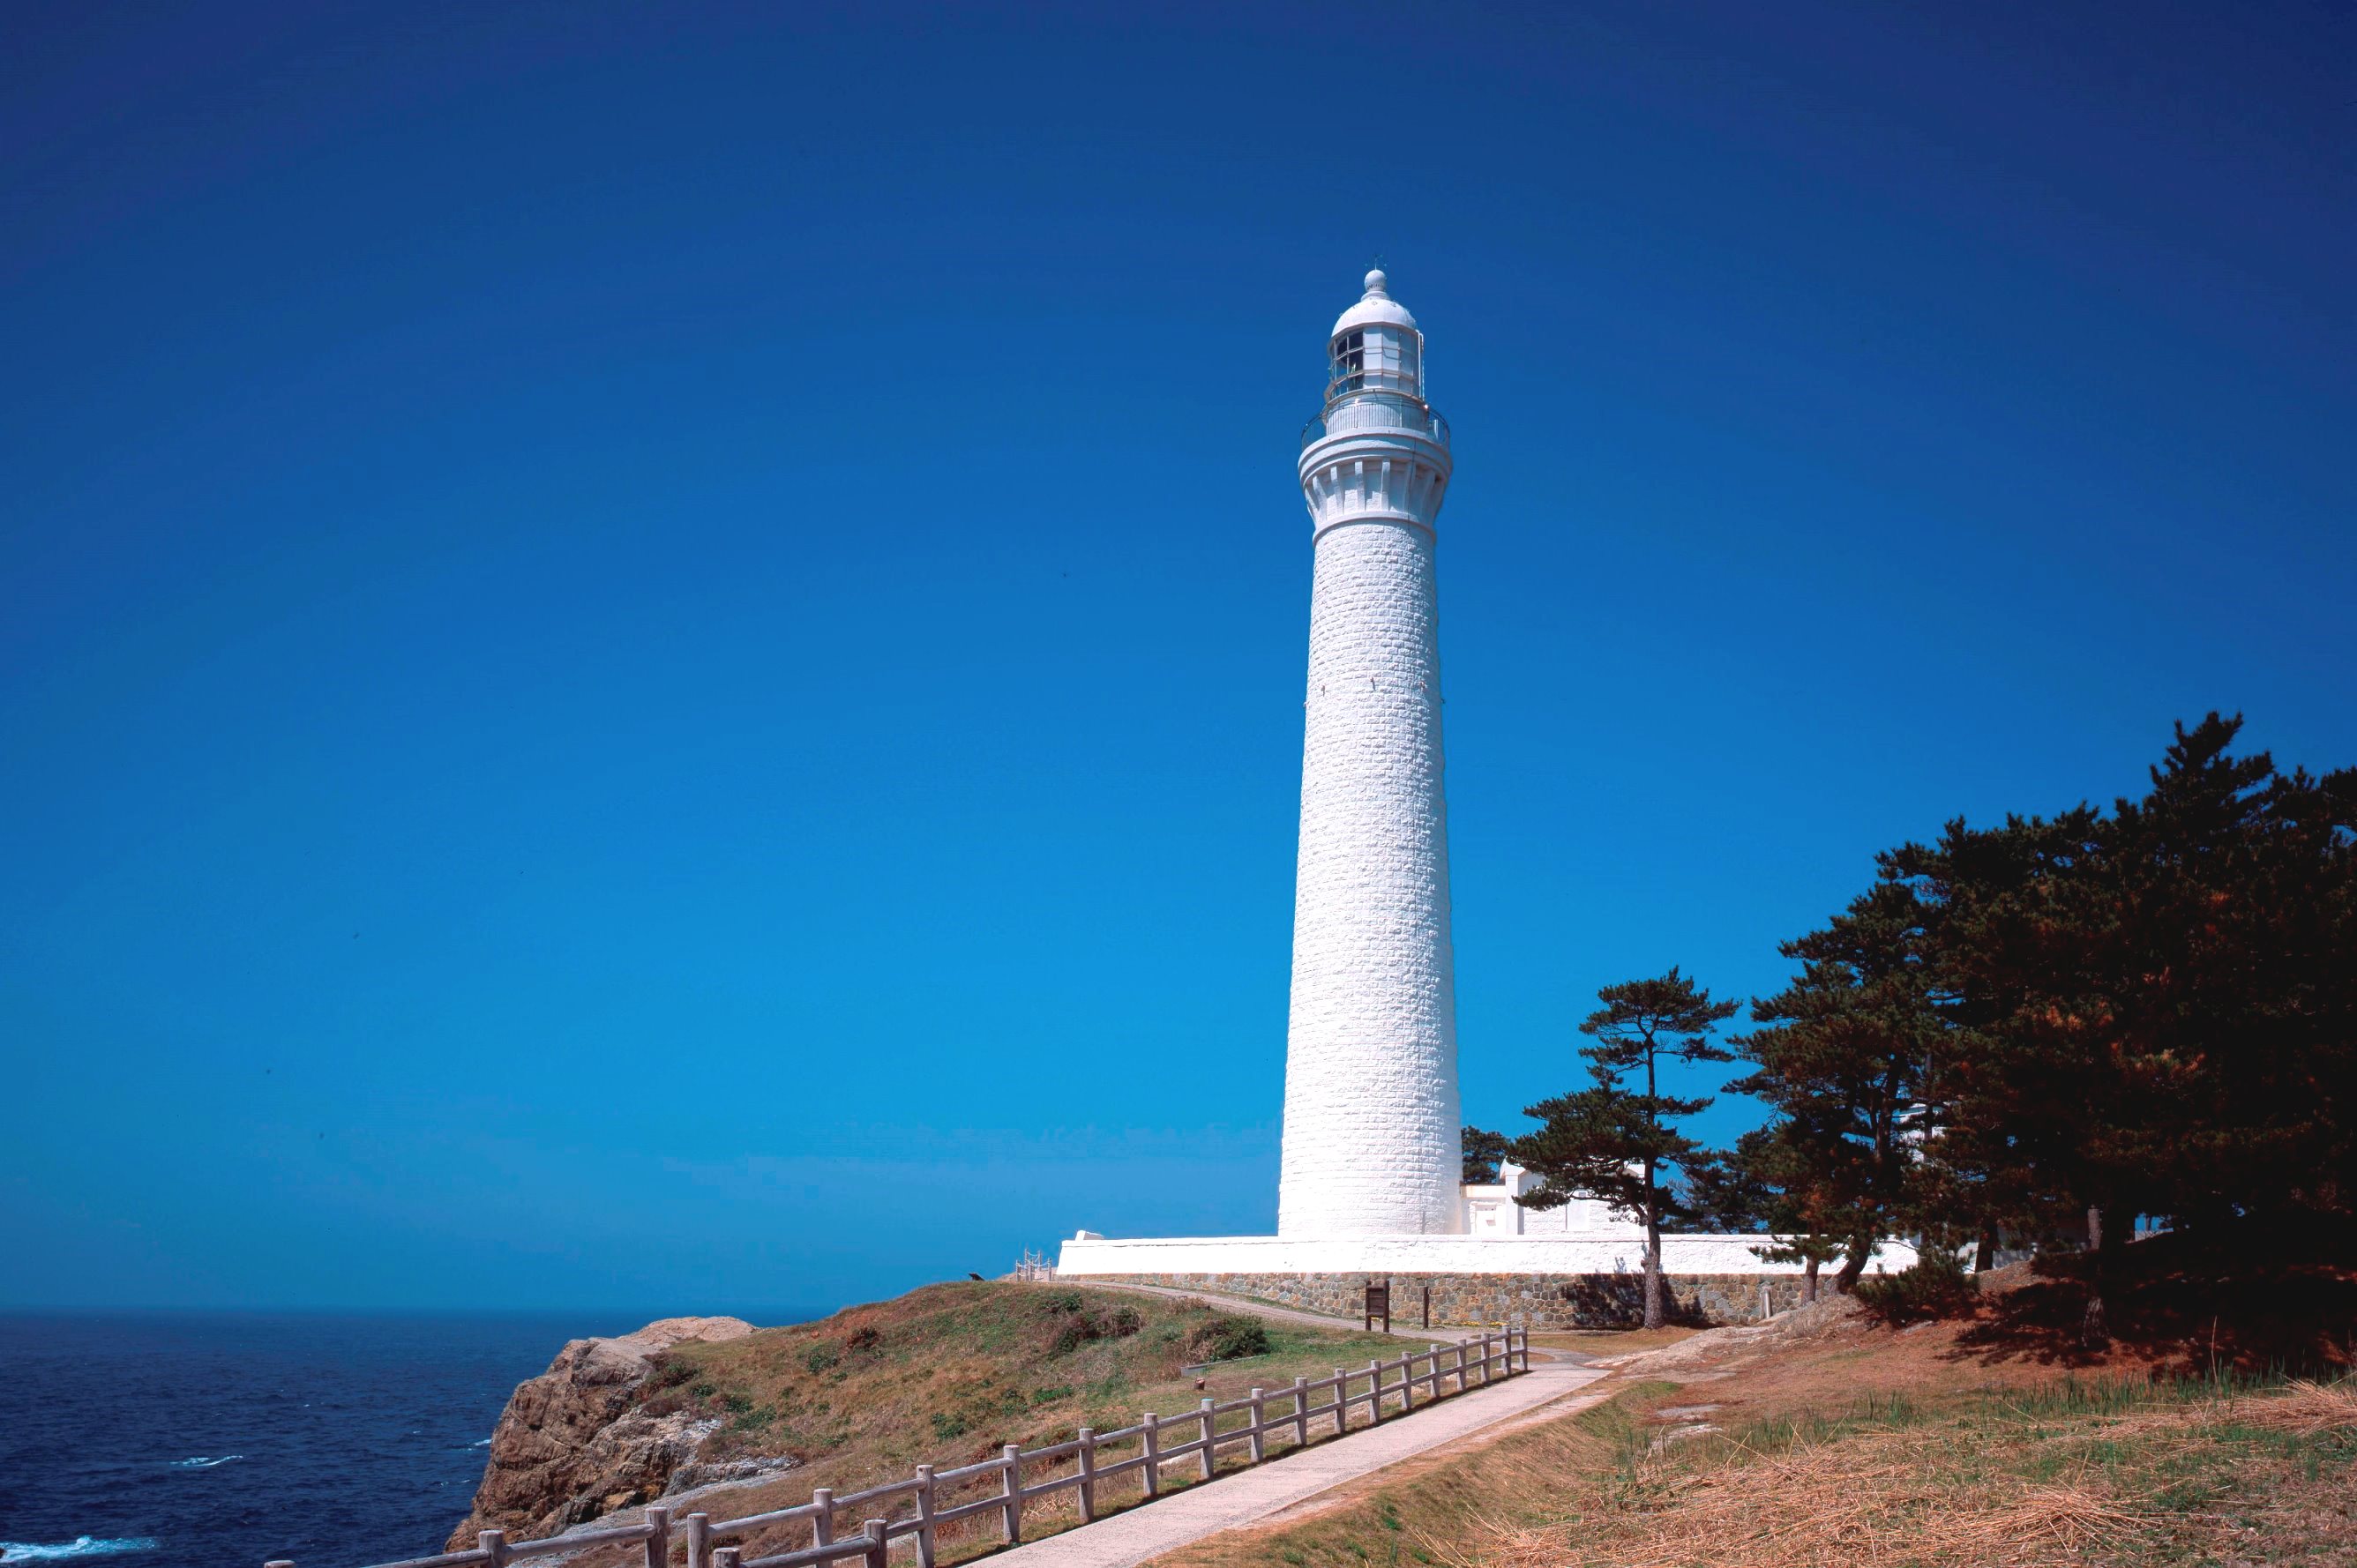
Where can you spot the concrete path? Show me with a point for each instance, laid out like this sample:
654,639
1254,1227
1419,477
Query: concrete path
1247,1497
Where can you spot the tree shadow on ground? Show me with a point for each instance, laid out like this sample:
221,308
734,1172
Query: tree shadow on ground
2249,1298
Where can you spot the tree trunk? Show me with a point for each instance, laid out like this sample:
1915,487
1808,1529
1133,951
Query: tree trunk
1655,1315
1809,1284
1853,1261
1984,1255
2093,1330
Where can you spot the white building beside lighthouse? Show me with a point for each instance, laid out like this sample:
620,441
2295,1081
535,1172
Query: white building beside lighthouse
1370,1117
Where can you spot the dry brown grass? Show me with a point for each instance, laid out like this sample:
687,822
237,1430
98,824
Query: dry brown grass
1846,1443
2310,1408
1888,1499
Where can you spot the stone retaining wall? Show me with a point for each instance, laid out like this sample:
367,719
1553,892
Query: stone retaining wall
1534,1301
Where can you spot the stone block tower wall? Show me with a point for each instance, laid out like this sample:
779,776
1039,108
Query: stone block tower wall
1370,1105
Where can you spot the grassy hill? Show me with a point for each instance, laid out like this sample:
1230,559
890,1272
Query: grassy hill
948,1374
951,1372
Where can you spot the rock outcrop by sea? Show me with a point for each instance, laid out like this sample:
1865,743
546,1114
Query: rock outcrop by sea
573,1445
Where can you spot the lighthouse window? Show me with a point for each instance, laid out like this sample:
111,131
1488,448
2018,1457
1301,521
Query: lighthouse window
1349,361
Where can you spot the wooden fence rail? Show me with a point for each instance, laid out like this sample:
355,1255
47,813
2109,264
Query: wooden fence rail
710,1543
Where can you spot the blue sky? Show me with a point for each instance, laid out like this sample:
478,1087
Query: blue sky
654,655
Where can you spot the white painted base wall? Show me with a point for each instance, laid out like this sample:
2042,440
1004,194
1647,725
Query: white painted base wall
1609,1253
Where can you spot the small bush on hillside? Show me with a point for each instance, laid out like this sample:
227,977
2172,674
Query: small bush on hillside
1935,1286
1083,1326
1226,1338
866,1339
946,1425
819,1358
1075,1333
1065,1301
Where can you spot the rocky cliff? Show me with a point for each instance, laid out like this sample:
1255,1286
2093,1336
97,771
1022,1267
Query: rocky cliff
573,1445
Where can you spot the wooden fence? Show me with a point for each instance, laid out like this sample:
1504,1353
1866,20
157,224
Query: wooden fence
924,1502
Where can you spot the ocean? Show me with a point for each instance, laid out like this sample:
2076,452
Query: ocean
224,1440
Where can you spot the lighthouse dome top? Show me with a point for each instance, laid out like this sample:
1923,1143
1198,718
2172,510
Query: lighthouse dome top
1378,308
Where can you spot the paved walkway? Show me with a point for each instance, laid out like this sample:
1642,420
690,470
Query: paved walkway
1247,1497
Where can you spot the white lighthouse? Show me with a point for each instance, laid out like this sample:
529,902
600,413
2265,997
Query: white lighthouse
1369,1178
1370,1113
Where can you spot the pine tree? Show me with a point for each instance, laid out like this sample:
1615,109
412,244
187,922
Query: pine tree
1845,1056
1766,1182
1614,1143
1483,1151
2153,1009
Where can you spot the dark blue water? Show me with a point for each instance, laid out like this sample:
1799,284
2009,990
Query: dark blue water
226,1440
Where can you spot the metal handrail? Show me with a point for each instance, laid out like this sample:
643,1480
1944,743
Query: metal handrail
1433,425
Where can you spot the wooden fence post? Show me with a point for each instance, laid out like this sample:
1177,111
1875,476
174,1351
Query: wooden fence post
879,1542
1259,1445
1301,1413
925,1516
823,1520
1208,1429
1011,1461
699,1541
1341,1401
1152,1469
1088,1475
658,1537
494,1542
1374,1392
726,1557
1407,1382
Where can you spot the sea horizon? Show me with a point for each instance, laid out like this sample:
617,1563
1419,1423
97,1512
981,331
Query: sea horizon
225,1437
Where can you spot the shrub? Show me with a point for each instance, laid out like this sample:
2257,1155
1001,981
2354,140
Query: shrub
1064,1301
864,1338
819,1358
1082,1327
946,1425
1935,1286
1227,1336
1075,1333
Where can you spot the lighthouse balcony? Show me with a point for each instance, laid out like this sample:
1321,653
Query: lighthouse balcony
1374,415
